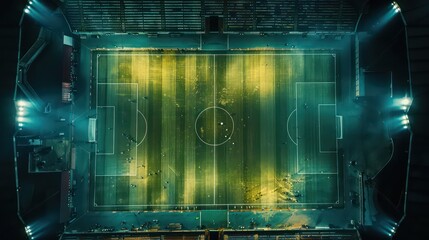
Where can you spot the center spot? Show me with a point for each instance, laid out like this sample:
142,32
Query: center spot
214,126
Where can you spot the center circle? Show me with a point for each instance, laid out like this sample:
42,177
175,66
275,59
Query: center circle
214,126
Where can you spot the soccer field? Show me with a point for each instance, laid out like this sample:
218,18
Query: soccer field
215,130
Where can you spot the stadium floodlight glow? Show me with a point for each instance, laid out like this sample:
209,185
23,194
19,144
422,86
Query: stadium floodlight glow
396,7
20,119
20,125
30,2
406,101
23,103
27,9
405,121
28,230
21,110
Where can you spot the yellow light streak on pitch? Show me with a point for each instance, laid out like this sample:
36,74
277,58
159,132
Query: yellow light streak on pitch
140,74
168,134
233,101
267,109
140,68
189,151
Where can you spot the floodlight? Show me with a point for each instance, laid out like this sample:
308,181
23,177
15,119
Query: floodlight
21,109
30,2
396,7
27,10
406,101
21,103
405,127
28,231
20,125
404,117
406,121
20,119
21,113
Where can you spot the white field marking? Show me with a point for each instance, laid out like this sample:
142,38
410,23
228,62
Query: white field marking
338,187
96,98
145,133
227,215
285,54
214,129
169,167
217,54
334,55
96,114
297,129
215,144
320,173
137,126
92,130
340,127
95,177
287,127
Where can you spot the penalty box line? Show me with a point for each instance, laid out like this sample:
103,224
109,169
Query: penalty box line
296,118
96,100
114,140
297,130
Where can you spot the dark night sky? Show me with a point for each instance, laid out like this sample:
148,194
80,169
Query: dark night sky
9,19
